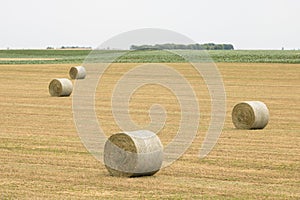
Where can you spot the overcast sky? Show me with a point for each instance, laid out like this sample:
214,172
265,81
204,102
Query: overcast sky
247,24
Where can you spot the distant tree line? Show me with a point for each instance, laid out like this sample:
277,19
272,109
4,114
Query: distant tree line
74,47
69,47
207,46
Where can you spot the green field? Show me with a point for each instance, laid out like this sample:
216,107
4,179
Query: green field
154,56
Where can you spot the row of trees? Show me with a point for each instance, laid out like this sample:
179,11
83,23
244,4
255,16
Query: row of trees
69,47
207,46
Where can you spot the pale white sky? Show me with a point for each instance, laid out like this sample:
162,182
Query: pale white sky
247,24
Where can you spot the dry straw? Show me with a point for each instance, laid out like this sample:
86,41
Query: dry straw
250,115
78,72
131,154
60,87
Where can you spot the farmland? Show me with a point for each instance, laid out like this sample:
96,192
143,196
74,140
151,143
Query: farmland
41,155
78,56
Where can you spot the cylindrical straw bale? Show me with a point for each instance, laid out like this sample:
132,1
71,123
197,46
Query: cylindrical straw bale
131,154
250,115
78,72
60,87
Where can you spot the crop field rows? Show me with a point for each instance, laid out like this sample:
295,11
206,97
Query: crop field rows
41,154
153,56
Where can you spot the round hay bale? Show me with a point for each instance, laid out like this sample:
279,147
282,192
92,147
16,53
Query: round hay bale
131,154
78,72
60,87
250,115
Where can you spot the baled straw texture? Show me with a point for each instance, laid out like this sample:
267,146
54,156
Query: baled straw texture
60,87
131,154
78,72
250,115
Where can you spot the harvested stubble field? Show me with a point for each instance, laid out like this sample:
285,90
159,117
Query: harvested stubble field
42,156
